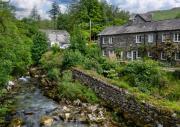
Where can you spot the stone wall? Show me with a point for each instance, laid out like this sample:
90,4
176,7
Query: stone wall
142,114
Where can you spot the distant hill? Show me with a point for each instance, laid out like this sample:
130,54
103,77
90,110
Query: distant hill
165,14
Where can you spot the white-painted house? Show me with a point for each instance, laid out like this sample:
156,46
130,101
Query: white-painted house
60,38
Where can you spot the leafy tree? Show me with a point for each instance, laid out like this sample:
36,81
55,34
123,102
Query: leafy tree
78,42
15,53
34,14
54,12
40,46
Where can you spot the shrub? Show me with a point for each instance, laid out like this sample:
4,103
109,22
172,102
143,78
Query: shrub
54,74
72,58
74,90
52,60
92,64
176,74
144,74
40,46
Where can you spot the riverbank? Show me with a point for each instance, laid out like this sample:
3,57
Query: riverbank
92,113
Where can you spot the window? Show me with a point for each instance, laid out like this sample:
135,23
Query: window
129,55
150,38
177,56
164,37
176,37
150,54
163,56
139,39
103,53
111,40
105,40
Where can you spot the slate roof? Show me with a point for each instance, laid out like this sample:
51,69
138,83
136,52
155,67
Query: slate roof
147,16
164,25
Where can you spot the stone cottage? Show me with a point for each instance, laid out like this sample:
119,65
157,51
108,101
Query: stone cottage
60,38
141,31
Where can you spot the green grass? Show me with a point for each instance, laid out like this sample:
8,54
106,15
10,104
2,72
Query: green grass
161,102
73,90
166,14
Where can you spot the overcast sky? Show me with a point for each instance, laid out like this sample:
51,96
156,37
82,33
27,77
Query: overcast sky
134,6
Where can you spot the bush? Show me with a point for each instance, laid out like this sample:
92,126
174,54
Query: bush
144,74
51,60
72,58
54,74
176,74
74,90
40,46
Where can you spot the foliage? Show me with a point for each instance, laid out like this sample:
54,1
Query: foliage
74,90
72,58
54,74
15,53
78,42
40,46
100,14
54,12
51,60
34,14
144,74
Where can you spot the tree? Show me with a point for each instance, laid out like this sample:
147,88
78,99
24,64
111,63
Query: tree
40,46
54,12
34,14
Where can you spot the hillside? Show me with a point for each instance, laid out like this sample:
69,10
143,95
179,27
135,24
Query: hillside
165,14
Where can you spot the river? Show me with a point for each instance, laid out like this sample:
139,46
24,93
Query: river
32,105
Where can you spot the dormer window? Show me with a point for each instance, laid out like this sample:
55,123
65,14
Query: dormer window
139,39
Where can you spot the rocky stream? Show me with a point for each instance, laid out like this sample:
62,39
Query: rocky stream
33,109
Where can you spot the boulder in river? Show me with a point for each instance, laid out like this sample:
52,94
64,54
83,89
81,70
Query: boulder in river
16,122
46,121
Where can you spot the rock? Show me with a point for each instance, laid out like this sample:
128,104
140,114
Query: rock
174,115
46,121
66,109
16,122
56,118
77,102
67,116
93,108
10,85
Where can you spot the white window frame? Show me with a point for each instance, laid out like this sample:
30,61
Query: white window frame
103,41
103,53
162,56
129,55
137,53
176,56
149,54
150,38
137,39
178,37
110,40
164,37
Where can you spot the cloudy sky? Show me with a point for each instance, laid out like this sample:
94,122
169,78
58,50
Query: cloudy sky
134,6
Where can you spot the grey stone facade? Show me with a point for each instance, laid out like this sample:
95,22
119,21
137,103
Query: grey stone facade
149,33
143,114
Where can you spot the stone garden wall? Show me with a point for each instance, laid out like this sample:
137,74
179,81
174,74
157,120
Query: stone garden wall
142,114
